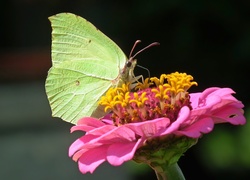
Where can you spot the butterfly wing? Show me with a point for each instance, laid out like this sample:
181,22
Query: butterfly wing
84,64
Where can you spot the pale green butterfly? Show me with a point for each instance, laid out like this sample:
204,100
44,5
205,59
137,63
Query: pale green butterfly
85,64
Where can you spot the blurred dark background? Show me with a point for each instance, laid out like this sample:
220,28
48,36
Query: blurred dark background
207,39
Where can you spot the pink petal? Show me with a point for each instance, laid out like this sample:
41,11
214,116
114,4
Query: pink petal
87,124
101,130
182,117
219,104
90,138
215,91
118,153
149,128
230,114
90,121
222,92
75,146
195,130
101,136
91,159
211,96
118,134
195,99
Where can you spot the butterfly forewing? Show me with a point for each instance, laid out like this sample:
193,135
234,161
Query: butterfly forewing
74,38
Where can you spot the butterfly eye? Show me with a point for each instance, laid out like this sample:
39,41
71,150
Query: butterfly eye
129,64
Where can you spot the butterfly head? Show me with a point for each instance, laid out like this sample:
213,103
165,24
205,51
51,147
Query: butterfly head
127,73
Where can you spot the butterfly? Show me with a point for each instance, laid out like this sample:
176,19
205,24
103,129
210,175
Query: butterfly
85,64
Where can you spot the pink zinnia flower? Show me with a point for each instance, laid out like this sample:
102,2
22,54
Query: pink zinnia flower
160,116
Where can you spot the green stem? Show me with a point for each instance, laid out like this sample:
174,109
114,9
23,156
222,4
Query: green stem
172,172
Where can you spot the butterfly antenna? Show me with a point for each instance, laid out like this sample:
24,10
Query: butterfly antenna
136,42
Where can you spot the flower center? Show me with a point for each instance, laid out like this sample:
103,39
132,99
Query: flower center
153,98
